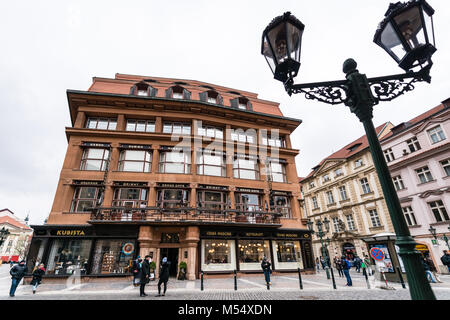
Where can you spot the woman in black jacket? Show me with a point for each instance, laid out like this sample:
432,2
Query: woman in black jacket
145,275
37,277
163,276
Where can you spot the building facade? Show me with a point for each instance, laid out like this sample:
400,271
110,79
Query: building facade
344,188
196,172
418,156
15,245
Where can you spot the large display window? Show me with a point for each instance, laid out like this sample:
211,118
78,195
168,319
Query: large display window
218,255
251,253
113,256
288,254
68,255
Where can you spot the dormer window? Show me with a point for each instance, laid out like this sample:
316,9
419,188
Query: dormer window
211,96
241,103
178,92
143,89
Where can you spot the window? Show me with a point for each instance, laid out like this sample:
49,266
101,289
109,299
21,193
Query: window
343,193
424,174
398,183
282,206
446,166
288,251
101,123
217,251
178,92
413,144
330,197
85,198
109,256
173,198
350,222
314,202
389,155
249,202
211,96
239,135
94,159
374,218
211,164
326,178
338,172
436,134
252,251
175,162
336,224
213,200
274,142
212,132
135,161
143,89
311,185
67,255
130,197
365,185
277,171
140,125
245,168
358,163
176,128
409,216
439,211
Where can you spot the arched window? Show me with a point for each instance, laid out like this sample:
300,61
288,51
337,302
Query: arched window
241,103
143,89
178,92
211,96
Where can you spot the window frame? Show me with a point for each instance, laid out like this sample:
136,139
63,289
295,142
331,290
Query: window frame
187,163
103,161
147,124
410,218
122,160
201,166
110,122
413,144
424,171
374,216
237,168
437,133
441,210
389,155
172,124
398,181
365,185
76,199
136,203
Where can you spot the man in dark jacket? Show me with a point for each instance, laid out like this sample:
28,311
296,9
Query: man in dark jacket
446,259
265,265
357,263
163,276
17,272
145,275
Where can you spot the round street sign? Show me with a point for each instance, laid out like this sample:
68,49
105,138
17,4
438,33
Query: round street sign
377,254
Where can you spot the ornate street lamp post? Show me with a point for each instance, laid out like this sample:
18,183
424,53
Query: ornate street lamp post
3,234
444,237
407,34
320,233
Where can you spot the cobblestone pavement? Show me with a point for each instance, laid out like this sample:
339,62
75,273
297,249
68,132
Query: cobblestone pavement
249,287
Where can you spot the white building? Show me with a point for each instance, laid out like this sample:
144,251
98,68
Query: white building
16,243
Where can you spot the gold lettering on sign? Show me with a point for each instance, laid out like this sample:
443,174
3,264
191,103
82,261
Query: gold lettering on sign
287,235
70,233
254,234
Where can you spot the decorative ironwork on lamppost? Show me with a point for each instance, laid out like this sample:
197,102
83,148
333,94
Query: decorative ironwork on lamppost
407,34
321,233
3,235
443,238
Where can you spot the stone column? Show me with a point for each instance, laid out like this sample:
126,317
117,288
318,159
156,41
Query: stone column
80,121
192,241
121,123
158,125
155,159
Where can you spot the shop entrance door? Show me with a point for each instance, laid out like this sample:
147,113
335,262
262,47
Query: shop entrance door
172,256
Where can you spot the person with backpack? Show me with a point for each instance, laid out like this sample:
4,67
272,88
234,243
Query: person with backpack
163,276
265,265
347,265
37,276
17,273
338,265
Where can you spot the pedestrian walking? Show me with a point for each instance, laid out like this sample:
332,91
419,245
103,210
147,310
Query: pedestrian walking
357,262
367,263
17,273
265,265
136,268
433,270
318,265
446,259
428,273
163,276
346,266
38,272
145,275
338,264
322,262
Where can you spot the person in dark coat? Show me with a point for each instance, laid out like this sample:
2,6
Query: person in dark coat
37,277
163,276
136,269
145,275
446,259
338,264
265,265
17,272
357,262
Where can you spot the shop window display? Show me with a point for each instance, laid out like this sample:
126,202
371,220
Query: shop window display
251,253
288,254
69,255
113,256
218,255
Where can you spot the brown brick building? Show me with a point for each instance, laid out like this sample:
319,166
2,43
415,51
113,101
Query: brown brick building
174,168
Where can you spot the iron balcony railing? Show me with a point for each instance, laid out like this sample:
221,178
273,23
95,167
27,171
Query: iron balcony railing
182,214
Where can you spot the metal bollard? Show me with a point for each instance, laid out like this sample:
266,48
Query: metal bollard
235,280
300,279
332,278
201,280
367,278
401,278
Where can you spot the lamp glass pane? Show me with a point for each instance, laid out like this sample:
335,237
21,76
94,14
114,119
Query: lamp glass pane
277,37
268,55
294,41
429,27
410,25
391,42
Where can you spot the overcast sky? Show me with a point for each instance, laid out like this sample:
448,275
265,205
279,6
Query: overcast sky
48,47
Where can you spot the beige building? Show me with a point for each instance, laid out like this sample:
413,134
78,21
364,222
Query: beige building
344,188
